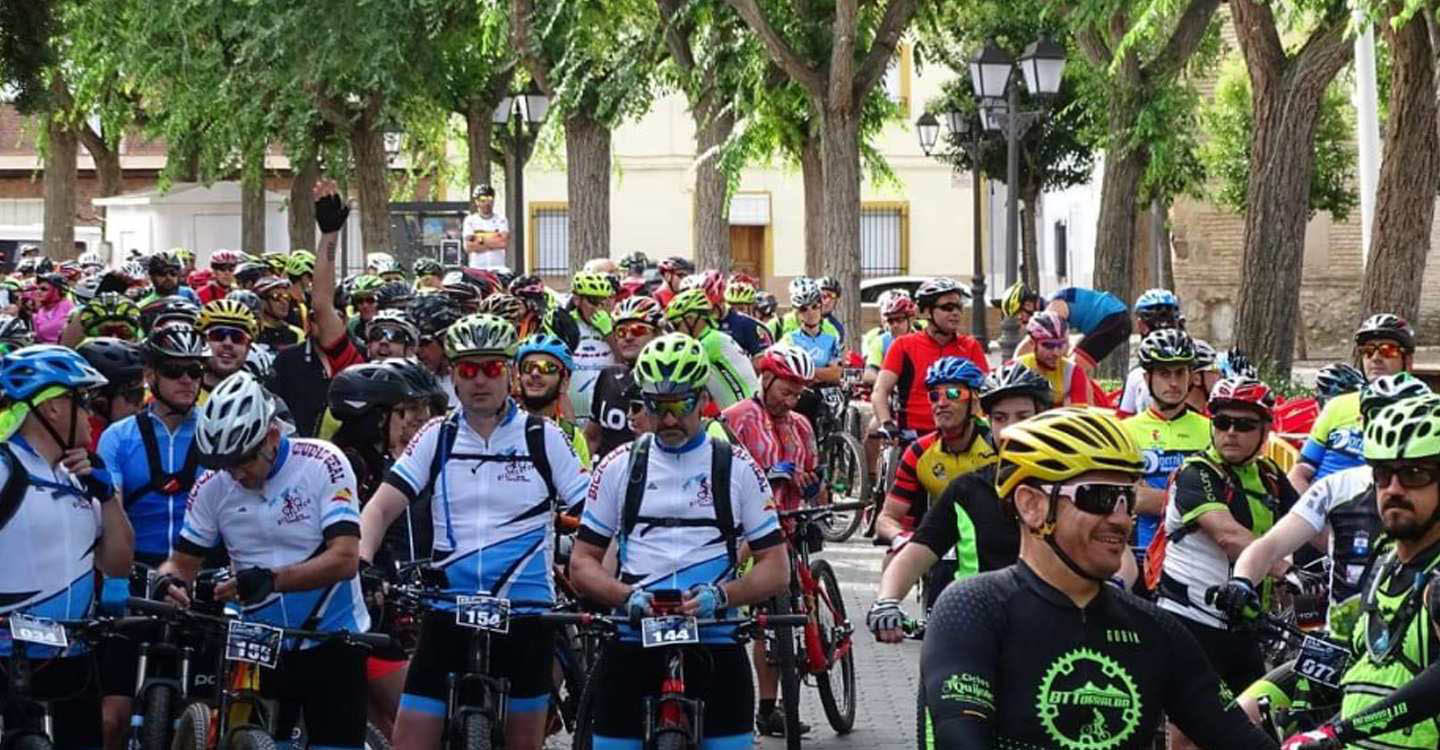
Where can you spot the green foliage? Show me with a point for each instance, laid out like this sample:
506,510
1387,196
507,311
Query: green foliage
1229,122
26,28
601,55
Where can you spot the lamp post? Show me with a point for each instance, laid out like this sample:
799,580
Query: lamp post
518,117
992,74
967,133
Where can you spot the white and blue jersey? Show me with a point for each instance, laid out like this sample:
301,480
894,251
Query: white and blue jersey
308,499
823,346
47,549
155,515
678,486
493,516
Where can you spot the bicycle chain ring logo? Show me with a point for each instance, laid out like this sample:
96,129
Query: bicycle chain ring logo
1079,714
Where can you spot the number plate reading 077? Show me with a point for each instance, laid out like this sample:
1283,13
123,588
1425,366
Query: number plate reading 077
253,642
38,630
483,612
1322,661
668,631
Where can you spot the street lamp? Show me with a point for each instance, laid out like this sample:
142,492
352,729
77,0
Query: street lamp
992,75
929,129
968,134
518,117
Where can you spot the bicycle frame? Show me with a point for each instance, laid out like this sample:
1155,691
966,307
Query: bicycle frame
475,691
808,594
670,712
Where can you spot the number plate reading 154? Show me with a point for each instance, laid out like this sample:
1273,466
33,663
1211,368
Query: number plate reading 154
672,630
253,642
38,630
483,612
1322,661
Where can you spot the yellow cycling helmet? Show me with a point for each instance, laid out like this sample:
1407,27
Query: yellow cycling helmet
299,263
227,312
1015,298
740,293
1061,444
591,284
689,301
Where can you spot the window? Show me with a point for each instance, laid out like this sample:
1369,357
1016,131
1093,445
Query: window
897,79
549,251
884,239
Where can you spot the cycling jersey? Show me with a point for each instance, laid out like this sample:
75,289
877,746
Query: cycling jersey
47,548
303,374
492,510
926,469
791,321
610,408
834,321
1164,444
279,336
909,356
1088,307
732,376
1069,385
576,439
969,520
180,291
1344,503
824,348
749,333
155,513
772,441
308,498
678,487
591,356
1336,441
1136,396
1011,662
873,344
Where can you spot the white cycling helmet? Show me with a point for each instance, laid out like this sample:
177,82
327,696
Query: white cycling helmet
233,422
804,291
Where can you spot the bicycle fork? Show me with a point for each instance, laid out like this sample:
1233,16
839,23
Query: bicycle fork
671,712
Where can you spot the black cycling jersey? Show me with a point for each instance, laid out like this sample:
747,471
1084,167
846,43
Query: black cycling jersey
984,538
1010,662
610,407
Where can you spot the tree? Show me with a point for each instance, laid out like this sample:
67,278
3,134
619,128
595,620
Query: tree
476,69
836,53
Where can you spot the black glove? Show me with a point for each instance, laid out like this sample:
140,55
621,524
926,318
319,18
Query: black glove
330,213
254,584
160,590
372,579
890,430
96,487
1239,600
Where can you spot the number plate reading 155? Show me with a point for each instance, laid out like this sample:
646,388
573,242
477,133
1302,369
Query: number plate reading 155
672,630
1322,661
483,612
38,630
253,642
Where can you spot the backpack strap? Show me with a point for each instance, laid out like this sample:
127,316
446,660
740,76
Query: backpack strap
722,459
13,490
721,463
444,445
171,483
535,446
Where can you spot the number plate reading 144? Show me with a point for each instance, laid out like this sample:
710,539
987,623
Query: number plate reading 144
672,630
253,642
38,630
1322,661
483,612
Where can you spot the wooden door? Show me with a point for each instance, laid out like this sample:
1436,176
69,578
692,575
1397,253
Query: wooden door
747,249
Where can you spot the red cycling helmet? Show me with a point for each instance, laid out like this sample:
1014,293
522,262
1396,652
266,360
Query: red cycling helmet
789,362
1245,393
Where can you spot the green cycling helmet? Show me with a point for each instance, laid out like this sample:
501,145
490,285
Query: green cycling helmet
480,334
674,364
1390,389
1403,430
591,284
299,263
687,302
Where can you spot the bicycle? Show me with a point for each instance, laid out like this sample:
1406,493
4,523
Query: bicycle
886,465
672,721
841,459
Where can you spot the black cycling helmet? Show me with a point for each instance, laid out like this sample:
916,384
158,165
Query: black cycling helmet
162,261
1166,347
433,314
363,389
14,330
765,304
635,262
675,264
1386,326
427,267
176,342
933,289
1016,379
120,361
829,284
1335,379
394,295
249,272
172,308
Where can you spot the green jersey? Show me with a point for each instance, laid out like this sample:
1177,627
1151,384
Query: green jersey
732,376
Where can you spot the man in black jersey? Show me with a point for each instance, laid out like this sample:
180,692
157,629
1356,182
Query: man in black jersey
635,321
1043,654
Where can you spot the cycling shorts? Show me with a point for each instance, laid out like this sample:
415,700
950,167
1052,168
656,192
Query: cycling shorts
524,656
629,674
327,684
1112,330
73,690
378,668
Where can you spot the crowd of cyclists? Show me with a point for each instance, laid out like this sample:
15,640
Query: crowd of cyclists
1102,569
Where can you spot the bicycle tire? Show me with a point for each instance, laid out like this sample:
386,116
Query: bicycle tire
585,712
880,487
789,672
31,741
156,721
374,738
840,713
249,738
572,671
844,457
922,723
476,732
192,729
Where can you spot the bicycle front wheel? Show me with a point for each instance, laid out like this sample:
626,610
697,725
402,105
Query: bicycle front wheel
844,460
476,733
250,738
156,721
836,684
192,729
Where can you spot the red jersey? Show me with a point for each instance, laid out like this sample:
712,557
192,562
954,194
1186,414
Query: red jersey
211,292
909,357
770,441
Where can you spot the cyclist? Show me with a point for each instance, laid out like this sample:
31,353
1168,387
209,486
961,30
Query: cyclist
960,444
429,274
276,332
300,269
1203,376
673,270
667,539
229,327
59,525
897,311
122,365
744,329
543,367
1385,345
967,519
1169,430
765,304
541,313
911,355
433,314
1154,310
1102,319
363,304
637,321
829,298
823,346
222,275
1042,653
493,536
289,513
591,296
1337,379
109,314
1068,381
732,376
164,269
740,296
791,320
391,334
52,308
387,268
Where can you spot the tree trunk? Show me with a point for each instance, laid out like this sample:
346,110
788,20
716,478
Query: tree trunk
1029,241
587,180
304,174
711,215
840,146
1114,258
59,181
107,165
477,138
252,204
812,170
1405,200
367,143
1161,217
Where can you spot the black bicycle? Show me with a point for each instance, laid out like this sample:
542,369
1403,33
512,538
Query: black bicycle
841,457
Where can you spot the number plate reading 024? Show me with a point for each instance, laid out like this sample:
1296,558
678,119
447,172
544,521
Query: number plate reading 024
38,630
483,612
1322,661
672,630
253,642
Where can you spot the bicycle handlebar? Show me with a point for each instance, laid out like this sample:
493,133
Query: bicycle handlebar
168,610
589,618
823,509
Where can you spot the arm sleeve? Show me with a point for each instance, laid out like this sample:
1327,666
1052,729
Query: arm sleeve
570,478
339,494
1197,702
939,531
959,665
605,497
201,528
1197,491
753,504
411,472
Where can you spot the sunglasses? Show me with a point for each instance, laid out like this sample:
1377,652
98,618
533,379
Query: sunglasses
634,330
1052,344
278,297
167,272
1227,423
134,395
392,335
949,393
233,335
540,367
950,307
1098,499
222,267
671,407
1412,477
492,368
176,370
807,308
363,300
1388,350
117,330
82,400
893,321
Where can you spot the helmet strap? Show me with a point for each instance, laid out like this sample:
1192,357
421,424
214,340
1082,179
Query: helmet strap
63,445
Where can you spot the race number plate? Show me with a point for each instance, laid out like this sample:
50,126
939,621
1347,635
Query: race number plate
483,613
253,642
671,630
38,630
1322,661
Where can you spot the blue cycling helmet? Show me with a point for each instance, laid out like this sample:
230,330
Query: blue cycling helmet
26,372
954,370
1156,299
544,343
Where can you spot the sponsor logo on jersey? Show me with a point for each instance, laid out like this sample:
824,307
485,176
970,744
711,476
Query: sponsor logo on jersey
700,486
294,507
1088,701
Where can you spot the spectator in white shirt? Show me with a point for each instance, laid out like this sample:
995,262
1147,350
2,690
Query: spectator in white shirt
487,234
